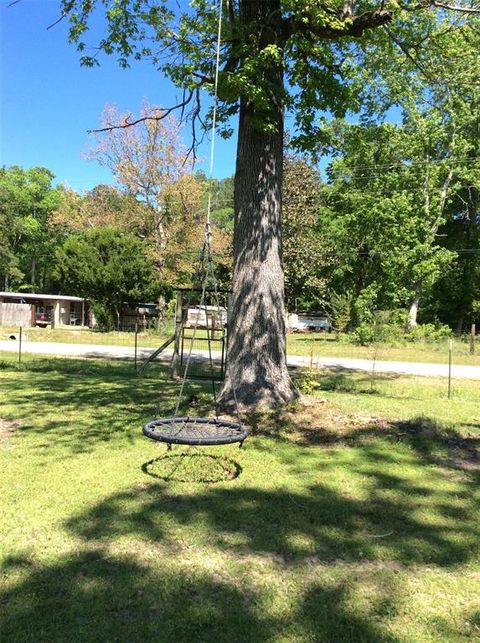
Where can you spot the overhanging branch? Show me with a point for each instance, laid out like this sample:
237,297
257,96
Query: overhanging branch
164,113
353,26
452,7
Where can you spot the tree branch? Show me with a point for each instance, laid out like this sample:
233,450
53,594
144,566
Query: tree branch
412,59
454,7
354,26
164,113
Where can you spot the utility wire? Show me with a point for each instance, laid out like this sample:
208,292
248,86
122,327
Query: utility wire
419,162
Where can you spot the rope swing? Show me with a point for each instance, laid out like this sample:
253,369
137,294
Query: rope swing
202,431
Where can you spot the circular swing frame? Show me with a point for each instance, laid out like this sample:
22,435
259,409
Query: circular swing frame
195,431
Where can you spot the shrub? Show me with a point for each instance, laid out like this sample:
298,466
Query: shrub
364,334
308,382
428,332
103,318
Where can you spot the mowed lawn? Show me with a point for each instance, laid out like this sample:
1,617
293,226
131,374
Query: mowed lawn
347,518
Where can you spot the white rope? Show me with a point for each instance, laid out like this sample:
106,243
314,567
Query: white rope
208,235
192,341
214,112
208,232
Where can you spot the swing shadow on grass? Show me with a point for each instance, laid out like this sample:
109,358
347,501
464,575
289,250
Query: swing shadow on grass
192,467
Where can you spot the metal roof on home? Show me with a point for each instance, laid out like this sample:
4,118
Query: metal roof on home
37,296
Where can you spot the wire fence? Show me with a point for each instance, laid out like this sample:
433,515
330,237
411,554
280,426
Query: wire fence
319,362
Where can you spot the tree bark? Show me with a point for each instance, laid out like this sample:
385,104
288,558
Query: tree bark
413,310
460,322
257,372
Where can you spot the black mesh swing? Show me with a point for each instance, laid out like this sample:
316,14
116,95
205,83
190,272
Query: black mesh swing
201,431
195,431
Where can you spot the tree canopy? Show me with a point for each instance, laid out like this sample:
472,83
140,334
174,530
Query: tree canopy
27,201
109,267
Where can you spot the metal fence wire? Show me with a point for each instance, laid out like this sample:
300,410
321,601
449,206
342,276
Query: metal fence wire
200,366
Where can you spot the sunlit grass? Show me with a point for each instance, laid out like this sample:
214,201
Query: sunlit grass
327,345
350,518
148,339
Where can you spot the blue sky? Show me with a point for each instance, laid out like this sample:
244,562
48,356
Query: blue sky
48,101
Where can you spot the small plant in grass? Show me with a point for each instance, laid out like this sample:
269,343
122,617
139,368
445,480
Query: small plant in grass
308,382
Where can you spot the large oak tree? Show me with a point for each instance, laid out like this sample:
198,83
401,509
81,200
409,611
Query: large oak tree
278,57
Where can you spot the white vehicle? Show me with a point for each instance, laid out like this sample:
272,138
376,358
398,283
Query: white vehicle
309,323
206,317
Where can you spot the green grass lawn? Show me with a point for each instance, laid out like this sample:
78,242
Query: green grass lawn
325,345
347,517
147,339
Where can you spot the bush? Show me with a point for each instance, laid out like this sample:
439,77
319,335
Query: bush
364,334
103,318
308,383
428,332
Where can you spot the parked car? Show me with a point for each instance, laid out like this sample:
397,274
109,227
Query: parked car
299,323
43,316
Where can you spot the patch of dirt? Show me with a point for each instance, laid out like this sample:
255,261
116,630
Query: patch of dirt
7,429
313,420
316,421
466,461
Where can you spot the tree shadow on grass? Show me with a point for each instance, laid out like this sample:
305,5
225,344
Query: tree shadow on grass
341,546
84,403
397,523
336,378
318,423
394,517
99,597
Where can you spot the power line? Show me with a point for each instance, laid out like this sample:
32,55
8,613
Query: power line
355,174
419,162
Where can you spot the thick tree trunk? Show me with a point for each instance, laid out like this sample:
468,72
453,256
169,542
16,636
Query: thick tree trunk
413,310
460,322
257,369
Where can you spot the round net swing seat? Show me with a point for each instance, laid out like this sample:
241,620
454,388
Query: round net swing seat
195,431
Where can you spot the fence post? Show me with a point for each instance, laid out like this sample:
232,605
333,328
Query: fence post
450,349
136,342
20,346
178,333
472,339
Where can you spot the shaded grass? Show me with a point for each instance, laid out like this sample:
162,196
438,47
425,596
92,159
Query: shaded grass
370,535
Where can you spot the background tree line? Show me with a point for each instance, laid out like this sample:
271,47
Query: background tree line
354,244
